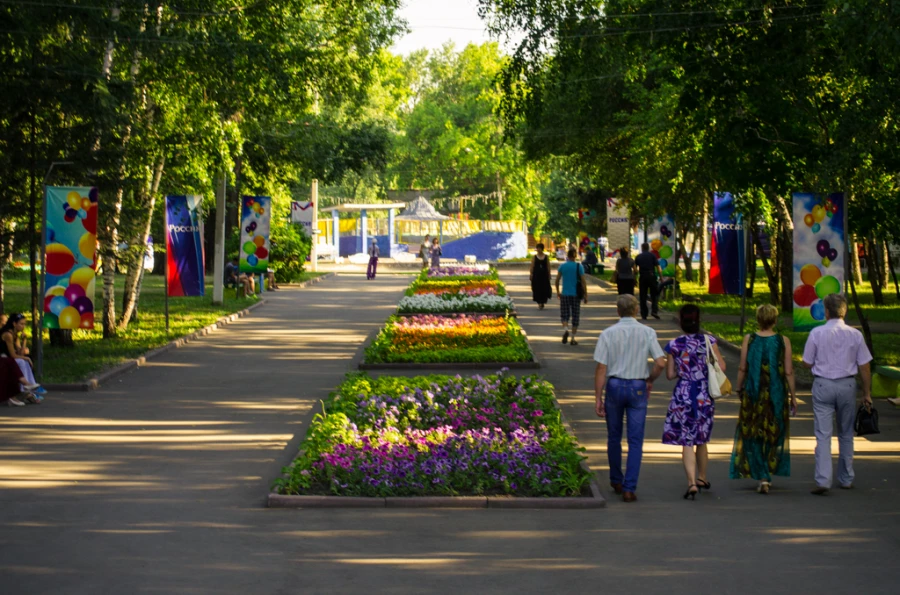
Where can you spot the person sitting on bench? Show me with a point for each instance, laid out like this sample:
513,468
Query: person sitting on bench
590,260
233,277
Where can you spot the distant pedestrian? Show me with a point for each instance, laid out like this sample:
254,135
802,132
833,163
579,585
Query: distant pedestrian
765,385
621,356
836,353
648,269
590,259
373,259
13,346
625,273
601,248
436,253
425,250
541,291
689,420
571,274
560,253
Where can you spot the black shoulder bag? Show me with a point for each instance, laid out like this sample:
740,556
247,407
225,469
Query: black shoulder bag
579,286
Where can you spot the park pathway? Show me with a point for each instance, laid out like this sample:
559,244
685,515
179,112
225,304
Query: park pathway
156,484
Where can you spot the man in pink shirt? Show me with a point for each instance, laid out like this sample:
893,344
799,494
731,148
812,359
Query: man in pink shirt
836,352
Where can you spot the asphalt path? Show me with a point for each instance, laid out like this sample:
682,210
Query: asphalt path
156,483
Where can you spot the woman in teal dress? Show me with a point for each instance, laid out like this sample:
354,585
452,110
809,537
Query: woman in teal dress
765,382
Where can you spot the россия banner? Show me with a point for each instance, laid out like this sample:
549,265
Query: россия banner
618,226
185,256
727,271
819,255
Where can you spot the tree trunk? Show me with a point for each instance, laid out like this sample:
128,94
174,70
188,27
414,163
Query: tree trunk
890,264
137,249
874,273
863,320
751,264
32,239
704,247
771,277
855,269
687,257
884,267
775,255
786,248
61,337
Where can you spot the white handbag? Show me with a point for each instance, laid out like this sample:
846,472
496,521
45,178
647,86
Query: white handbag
719,385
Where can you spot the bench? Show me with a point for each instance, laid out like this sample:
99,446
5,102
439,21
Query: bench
886,382
594,269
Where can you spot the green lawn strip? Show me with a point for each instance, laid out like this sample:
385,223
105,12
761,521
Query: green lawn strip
438,436
887,347
731,304
304,277
510,347
92,354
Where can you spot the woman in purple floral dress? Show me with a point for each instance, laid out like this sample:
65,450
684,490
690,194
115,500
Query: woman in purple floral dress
689,420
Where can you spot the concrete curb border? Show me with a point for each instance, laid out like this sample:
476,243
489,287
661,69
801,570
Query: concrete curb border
594,501
104,377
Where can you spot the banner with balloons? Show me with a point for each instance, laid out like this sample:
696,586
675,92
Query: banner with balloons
255,214
70,257
618,226
819,260
728,259
661,237
184,246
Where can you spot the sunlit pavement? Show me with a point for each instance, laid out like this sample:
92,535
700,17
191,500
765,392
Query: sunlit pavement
157,482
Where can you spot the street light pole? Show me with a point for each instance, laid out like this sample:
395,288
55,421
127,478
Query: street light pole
499,196
39,339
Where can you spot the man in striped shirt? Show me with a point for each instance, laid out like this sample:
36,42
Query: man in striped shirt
621,356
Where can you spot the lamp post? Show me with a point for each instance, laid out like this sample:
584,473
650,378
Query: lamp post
39,335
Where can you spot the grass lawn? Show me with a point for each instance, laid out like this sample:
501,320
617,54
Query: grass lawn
731,304
92,354
887,346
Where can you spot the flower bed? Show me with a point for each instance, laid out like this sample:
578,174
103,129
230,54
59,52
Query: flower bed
458,272
447,288
438,436
435,304
454,338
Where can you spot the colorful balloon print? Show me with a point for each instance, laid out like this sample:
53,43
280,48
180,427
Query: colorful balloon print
816,228
808,220
255,226
827,285
60,259
69,318
809,274
817,310
249,247
805,295
70,255
823,247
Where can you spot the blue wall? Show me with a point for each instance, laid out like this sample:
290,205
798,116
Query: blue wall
353,245
488,245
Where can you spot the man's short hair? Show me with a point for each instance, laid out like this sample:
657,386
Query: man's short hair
645,247
835,305
539,246
235,259
627,305
572,253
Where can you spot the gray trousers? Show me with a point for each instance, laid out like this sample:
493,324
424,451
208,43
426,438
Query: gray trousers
830,399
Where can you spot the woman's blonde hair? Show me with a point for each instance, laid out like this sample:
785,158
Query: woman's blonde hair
766,316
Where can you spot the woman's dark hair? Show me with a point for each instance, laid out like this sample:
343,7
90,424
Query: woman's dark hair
539,246
689,319
11,322
623,252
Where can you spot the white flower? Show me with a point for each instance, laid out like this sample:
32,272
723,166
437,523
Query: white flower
429,302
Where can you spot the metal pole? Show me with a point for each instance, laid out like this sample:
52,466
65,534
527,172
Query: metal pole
499,197
219,256
744,284
314,231
166,281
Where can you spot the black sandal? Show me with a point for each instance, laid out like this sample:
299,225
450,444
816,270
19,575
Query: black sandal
703,485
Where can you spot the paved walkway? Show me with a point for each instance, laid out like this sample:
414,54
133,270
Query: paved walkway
156,484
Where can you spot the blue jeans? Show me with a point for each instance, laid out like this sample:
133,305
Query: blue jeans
625,397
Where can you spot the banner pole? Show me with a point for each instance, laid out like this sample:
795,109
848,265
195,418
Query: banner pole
166,275
39,364
746,264
314,228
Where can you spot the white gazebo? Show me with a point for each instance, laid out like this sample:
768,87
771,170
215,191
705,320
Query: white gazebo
362,209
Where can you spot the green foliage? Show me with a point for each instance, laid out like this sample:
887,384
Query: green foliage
290,248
